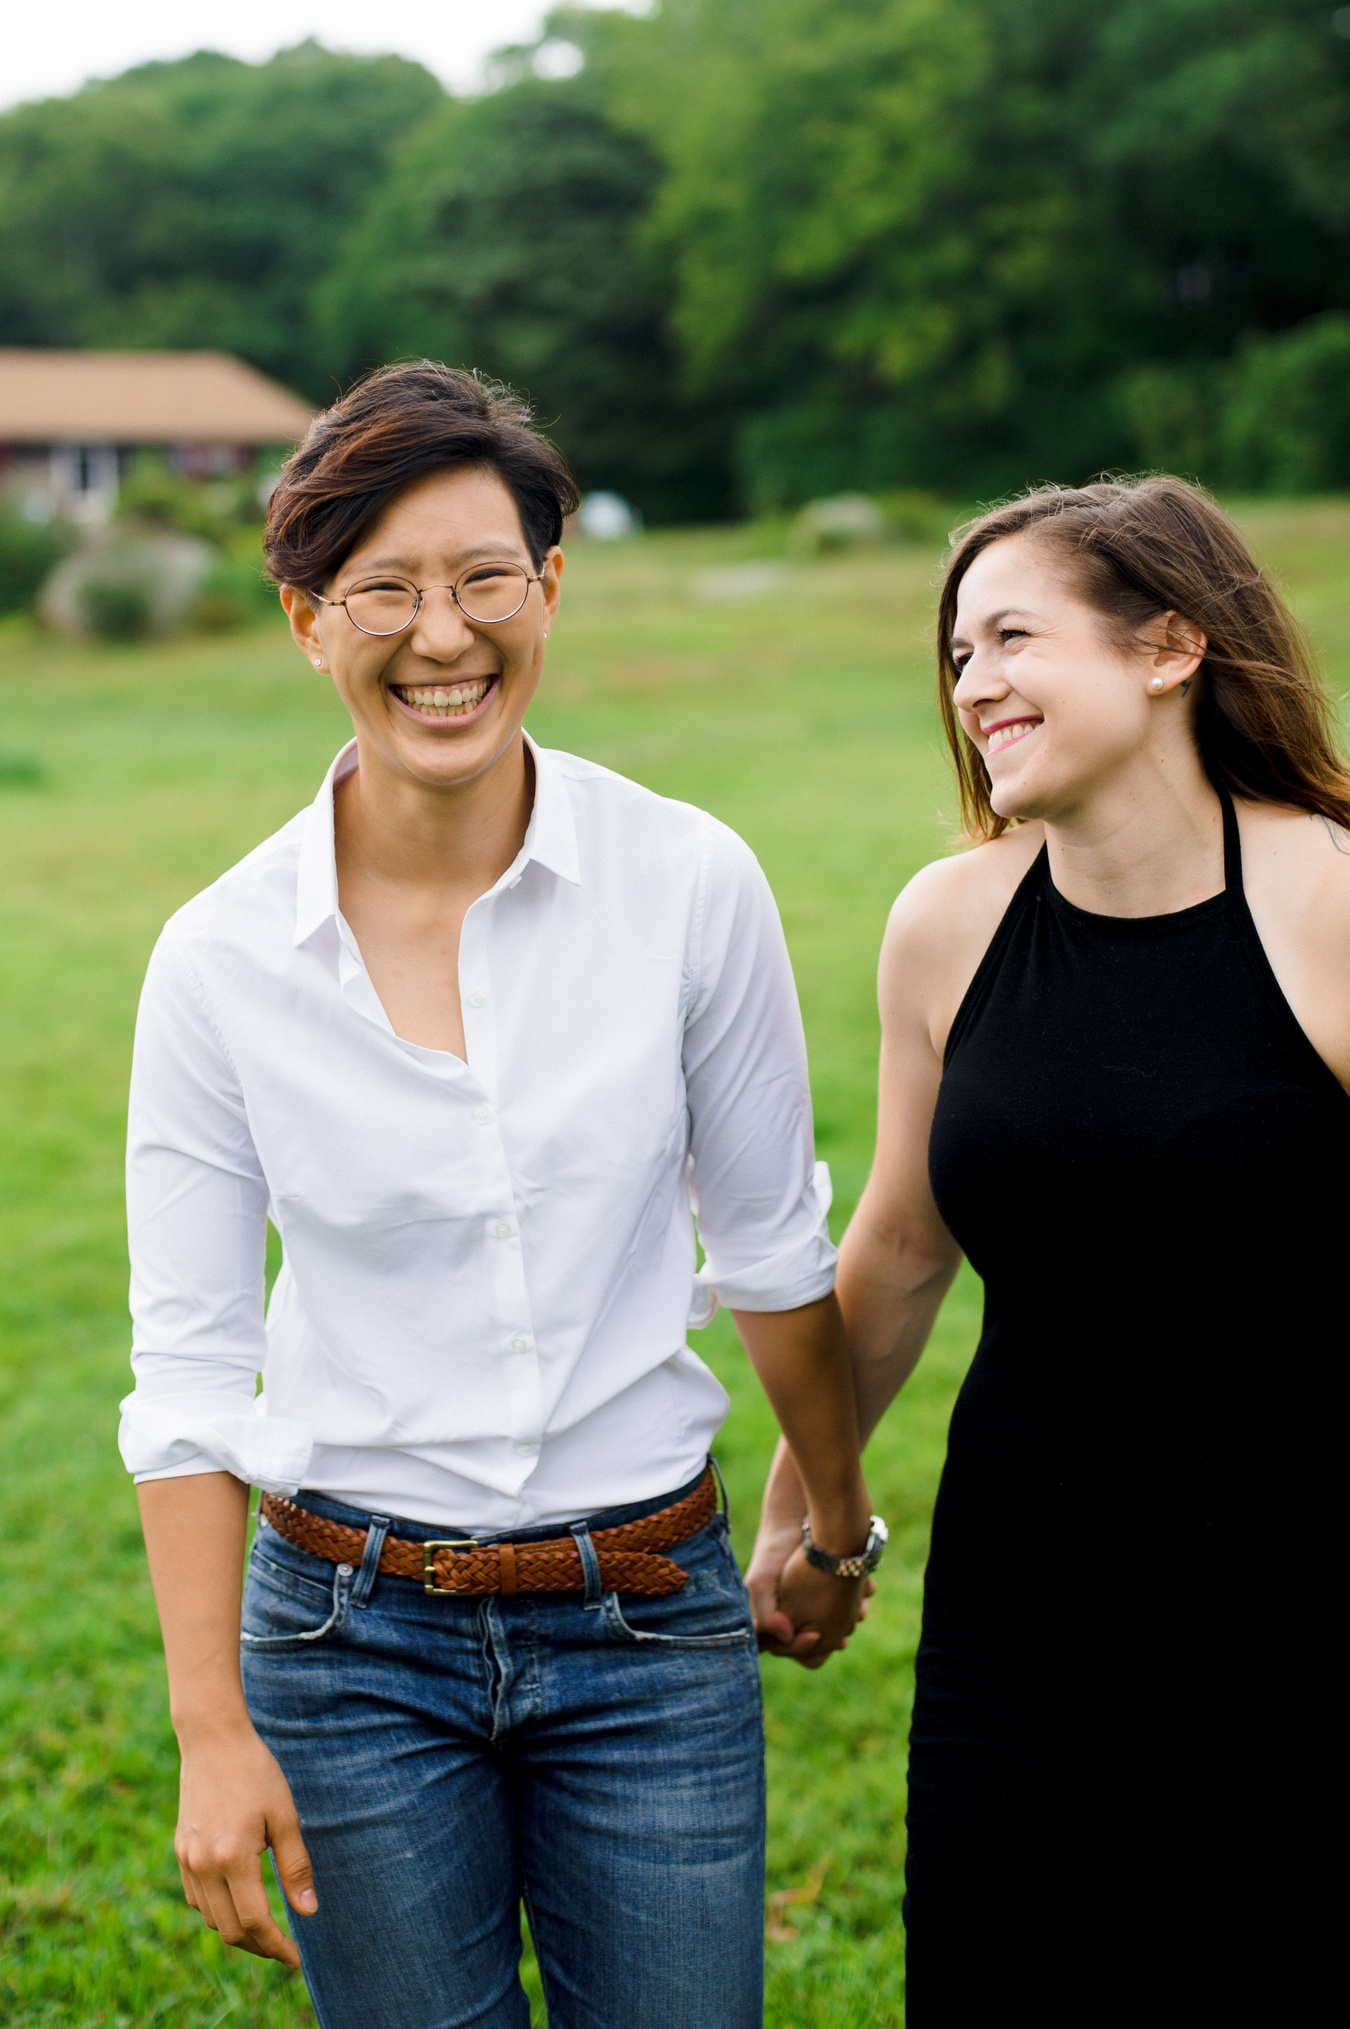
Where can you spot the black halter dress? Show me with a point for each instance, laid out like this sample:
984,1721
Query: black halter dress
1120,1749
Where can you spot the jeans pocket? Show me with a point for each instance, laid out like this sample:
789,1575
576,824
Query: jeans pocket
283,1610
711,1612
730,1638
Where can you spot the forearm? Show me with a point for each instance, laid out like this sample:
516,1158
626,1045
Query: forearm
195,1530
802,1360
890,1288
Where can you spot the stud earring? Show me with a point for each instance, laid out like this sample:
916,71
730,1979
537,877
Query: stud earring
318,662
1155,683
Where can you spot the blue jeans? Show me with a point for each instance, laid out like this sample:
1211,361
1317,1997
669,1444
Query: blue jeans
603,1757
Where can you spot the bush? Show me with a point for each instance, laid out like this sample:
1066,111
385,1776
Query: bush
231,594
915,516
1275,418
1171,414
1285,425
29,552
117,610
826,526
153,494
123,583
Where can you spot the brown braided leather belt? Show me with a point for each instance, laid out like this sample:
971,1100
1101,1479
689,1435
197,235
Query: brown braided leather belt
466,1568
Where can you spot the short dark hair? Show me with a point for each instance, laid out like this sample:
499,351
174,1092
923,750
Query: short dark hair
396,426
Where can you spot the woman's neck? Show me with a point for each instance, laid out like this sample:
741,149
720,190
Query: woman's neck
1147,844
413,836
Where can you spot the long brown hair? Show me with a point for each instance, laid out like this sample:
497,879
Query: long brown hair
1138,548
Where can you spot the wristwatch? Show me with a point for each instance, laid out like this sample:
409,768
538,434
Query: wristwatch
847,1567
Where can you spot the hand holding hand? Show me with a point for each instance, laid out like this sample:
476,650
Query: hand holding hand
799,1612
233,1803
815,1602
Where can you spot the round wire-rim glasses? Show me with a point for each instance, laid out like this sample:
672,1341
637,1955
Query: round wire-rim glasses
398,601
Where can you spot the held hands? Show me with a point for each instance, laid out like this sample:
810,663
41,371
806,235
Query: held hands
807,1614
233,1803
799,1612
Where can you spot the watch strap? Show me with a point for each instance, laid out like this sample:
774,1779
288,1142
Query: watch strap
847,1567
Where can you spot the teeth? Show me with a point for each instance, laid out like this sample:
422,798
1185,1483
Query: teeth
443,702
1006,734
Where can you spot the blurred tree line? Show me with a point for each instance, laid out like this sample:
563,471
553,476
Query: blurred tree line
754,251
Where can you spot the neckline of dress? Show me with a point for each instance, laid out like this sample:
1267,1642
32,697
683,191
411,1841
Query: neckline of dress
1172,918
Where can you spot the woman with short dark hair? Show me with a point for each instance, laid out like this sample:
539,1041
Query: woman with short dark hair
479,1029
1114,1070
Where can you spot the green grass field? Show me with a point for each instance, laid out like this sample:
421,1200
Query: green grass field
796,708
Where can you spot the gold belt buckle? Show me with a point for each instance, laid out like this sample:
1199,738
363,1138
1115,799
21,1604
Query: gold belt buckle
429,1561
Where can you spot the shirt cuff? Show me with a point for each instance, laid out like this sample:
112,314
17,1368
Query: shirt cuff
164,1434
798,1274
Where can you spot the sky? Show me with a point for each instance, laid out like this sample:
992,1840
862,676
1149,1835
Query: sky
53,47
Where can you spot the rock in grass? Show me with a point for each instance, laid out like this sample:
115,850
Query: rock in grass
122,586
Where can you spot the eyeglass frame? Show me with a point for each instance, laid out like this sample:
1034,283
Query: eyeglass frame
420,592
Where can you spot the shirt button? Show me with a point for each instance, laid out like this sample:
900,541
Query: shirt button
502,1230
520,1345
481,1115
525,1450
477,1000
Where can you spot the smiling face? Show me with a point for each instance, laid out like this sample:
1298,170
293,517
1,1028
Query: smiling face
1057,709
441,702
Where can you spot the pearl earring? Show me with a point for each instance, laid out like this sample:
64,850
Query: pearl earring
318,662
1155,683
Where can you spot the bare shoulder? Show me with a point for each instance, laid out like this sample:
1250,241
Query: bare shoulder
941,925
1296,876
1297,863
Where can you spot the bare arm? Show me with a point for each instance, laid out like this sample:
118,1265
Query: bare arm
802,1359
897,1259
234,1801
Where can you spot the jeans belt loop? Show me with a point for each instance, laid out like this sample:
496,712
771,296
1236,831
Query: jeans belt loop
370,1562
717,1475
590,1564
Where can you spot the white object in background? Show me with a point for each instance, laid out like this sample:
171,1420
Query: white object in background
607,517
556,59
739,581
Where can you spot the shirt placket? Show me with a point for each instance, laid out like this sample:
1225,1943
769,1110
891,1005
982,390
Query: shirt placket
512,1325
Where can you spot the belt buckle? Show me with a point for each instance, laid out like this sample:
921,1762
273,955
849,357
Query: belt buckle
433,1544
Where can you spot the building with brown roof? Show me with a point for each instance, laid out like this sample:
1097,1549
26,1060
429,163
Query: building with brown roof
70,422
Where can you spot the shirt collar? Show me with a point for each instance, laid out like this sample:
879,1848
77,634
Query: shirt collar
551,839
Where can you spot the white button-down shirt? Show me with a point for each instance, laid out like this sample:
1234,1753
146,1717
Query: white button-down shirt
489,1265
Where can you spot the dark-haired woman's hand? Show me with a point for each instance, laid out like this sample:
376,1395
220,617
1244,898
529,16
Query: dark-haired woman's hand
233,1803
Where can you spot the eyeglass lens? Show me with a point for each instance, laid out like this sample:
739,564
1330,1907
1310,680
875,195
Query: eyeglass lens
488,592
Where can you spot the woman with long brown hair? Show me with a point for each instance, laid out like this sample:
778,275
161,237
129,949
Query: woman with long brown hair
1114,1071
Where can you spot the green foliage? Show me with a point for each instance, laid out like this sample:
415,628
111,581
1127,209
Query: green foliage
192,203
117,609
924,238
1286,422
757,251
28,552
503,239
1273,419
232,593
153,493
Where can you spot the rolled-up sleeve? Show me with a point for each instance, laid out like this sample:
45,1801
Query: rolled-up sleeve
759,1196
197,1223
